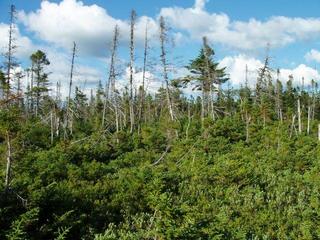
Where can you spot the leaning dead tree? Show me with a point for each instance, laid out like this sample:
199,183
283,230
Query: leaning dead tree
131,101
68,114
163,56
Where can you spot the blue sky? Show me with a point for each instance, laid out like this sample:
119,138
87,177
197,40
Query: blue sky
238,30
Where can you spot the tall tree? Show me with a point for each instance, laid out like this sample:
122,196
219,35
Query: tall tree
131,100
142,88
10,61
68,117
39,62
110,90
163,56
205,75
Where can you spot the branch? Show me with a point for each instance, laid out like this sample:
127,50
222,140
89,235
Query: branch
162,156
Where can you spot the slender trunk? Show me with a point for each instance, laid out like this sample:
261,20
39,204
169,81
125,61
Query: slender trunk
38,92
145,58
51,127
163,38
202,105
131,104
68,118
110,91
9,161
299,117
292,125
208,80
248,119
31,89
9,54
309,118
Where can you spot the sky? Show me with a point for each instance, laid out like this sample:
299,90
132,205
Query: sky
239,31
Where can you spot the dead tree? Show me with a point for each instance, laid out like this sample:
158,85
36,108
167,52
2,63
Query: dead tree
309,119
131,100
278,97
248,119
10,60
31,89
163,56
110,90
299,116
9,64
246,77
142,89
314,91
70,87
18,76
9,161
208,91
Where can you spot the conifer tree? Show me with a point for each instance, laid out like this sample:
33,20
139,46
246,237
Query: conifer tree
40,90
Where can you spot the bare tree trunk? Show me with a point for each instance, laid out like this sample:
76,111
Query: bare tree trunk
51,127
202,105
278,96
163,39
70,87
248,119
110,90
309,118
9,161
37,92
208,80
145,58
9,54
56,106
299,117
313,99
31,90
131,104
319,132
292,125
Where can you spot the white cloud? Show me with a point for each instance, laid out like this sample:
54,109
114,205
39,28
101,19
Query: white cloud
200,4
90,26
152,83
302,71
23,43
236,67
278,31
313,55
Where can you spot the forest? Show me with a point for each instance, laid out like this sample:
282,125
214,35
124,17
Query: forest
229,163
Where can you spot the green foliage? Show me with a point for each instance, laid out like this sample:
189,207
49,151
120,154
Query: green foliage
231,165
19,226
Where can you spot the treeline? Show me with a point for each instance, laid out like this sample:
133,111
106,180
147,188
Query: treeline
227,164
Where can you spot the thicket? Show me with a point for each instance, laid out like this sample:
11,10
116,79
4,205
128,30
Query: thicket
229,164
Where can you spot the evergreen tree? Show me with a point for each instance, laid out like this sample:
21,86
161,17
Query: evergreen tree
40,90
